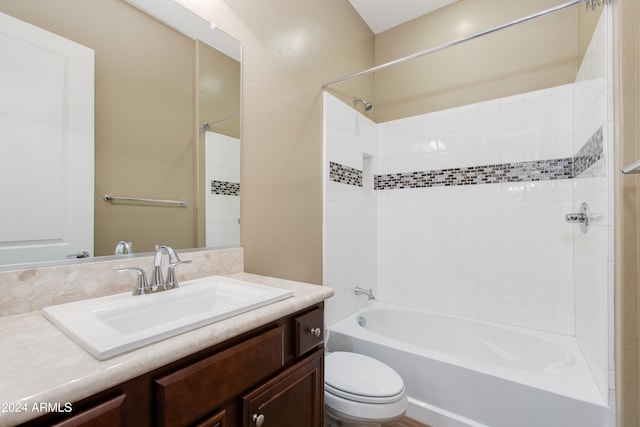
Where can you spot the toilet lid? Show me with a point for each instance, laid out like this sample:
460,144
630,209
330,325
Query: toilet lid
359,375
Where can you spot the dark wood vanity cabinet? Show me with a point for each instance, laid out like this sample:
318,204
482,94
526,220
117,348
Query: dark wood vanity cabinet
272,376
292,399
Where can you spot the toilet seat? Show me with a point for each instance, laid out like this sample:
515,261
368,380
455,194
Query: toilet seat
362,399
360,378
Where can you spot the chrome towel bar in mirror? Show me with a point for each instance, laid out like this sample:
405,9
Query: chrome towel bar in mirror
110,198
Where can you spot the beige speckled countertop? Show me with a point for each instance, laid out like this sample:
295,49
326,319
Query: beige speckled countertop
40,364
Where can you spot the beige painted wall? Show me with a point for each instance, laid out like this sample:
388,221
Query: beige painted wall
627,250
218,90
289,49
145,139
530,56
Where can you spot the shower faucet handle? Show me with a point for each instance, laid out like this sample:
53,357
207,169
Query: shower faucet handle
576,217
584,217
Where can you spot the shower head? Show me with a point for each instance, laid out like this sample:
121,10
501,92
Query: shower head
367,107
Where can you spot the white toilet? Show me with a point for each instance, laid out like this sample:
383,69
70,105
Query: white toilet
361,391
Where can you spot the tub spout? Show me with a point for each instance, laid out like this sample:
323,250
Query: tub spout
367,292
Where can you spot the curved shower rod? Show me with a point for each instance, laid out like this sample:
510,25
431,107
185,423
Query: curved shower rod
590,4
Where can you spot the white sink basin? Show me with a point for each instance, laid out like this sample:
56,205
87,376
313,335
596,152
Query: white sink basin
115,324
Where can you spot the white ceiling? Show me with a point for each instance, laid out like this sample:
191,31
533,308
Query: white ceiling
380,15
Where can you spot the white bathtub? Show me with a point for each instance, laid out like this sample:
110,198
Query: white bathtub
460,372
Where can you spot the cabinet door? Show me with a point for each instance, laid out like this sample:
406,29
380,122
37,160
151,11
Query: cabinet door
292,399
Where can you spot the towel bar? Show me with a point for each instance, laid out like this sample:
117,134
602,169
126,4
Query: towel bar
110,198
632,168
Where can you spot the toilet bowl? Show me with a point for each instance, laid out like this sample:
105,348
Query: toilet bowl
361,391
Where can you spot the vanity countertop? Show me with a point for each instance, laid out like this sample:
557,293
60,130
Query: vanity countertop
39,364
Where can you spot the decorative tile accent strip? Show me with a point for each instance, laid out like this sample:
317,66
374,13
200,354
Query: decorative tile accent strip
537,170
345,174
540,170
225,188
589,154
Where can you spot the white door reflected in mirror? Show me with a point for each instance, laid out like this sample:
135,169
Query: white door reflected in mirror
47,83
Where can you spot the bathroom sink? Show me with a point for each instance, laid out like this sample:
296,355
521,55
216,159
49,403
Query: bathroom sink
116,324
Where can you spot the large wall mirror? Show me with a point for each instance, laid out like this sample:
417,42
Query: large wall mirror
166,124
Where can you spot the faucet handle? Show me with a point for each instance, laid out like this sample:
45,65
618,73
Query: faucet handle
142,287
171,281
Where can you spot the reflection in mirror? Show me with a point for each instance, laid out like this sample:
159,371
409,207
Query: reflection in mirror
154,89
222,184
218,107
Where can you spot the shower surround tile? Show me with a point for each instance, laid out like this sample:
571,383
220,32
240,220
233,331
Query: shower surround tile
478,239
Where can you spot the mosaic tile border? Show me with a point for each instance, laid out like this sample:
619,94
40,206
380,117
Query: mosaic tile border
538,170
345,174
225,188
542,170
589,154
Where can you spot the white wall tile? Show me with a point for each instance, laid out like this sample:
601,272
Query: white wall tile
592,250
498,238
350,213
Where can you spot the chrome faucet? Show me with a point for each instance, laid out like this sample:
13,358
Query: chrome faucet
157,283
367,292
123,247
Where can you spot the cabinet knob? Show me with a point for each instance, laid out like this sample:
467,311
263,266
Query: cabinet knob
316,331
258,419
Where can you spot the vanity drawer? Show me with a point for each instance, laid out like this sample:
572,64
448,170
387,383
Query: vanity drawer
309,329
189,394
